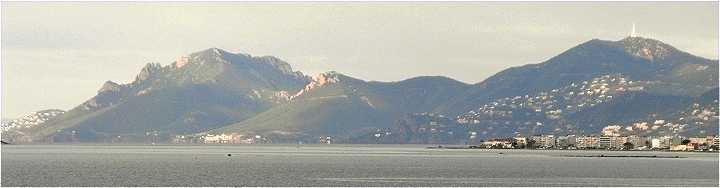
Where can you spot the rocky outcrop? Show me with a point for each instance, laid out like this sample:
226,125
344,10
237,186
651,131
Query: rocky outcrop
150,70
319,80
110,93
181,61
110,86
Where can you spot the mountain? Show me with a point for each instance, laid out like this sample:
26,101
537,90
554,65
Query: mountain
669,70
639,84
609,102
342,106
587,107
217,91
636,83
204,90
419,94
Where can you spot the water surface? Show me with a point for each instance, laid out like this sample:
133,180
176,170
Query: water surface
342,165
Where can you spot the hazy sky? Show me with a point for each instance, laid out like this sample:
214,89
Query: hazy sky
57,55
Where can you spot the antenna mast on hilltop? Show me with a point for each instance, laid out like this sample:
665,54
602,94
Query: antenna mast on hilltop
632,34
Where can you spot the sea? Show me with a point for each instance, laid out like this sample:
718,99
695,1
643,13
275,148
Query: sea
346,165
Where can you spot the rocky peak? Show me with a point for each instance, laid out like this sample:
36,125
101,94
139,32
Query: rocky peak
148,71
279,64
261,64
110,86
211,51
646,48
320,80
212,54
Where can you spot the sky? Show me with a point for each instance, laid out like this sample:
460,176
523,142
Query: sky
58,54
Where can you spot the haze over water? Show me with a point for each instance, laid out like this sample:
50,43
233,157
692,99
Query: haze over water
342,165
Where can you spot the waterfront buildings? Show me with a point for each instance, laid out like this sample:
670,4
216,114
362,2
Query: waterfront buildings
611,142
503,143
568,141
587,142
608,142
544,141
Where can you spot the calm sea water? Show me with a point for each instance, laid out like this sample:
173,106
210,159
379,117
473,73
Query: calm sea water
342,165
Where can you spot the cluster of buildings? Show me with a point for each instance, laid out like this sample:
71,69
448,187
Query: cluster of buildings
555,103
232,138
632,142
30,120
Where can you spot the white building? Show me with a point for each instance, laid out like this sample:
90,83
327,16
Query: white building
223,139
663,142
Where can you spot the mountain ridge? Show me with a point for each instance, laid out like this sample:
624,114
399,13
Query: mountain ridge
216,91
587,60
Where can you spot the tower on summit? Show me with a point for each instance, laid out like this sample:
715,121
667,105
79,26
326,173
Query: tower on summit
632,33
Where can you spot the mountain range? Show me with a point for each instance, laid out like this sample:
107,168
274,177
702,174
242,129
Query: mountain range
213,91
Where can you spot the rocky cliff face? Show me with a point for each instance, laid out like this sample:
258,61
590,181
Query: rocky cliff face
147,72
318,81
110,86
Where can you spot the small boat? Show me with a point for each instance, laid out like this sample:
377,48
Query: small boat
435,147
